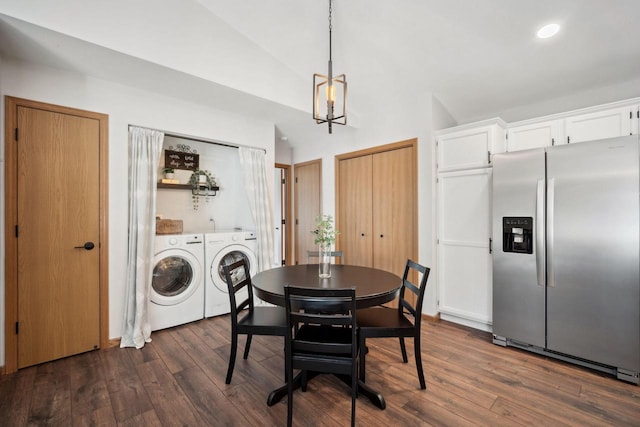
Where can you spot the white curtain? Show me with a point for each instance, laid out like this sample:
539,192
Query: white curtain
256,185
145,148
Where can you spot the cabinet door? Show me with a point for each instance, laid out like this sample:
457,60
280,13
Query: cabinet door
393,209
535,135
464,229
469,148
354,216
602,124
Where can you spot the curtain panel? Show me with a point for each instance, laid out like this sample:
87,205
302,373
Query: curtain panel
257,184
145,148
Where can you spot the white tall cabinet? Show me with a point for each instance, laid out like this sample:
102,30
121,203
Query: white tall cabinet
464,221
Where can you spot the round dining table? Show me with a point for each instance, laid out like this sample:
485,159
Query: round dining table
373,287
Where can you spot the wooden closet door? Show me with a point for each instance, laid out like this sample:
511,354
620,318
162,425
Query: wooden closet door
393,209
354,210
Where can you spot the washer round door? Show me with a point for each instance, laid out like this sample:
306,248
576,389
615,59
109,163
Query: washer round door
229,255
176,276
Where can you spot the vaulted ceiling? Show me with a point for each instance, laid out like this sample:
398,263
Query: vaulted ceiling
480,59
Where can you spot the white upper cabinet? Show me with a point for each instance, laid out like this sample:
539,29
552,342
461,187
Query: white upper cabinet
469,147
535,135
607,123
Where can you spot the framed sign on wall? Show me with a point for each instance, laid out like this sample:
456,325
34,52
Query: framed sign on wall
184,160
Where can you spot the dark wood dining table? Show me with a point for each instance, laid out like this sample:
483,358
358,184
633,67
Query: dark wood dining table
373,287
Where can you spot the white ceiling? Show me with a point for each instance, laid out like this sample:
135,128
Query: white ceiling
481,59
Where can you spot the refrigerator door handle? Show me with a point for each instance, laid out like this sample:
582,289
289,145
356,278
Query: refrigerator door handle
550,200
540,249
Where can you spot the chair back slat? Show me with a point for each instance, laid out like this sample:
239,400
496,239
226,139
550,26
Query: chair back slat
411,287
408,308
320,319
324,348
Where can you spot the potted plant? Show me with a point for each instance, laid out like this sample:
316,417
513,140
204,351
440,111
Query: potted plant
325,238
200,180
168,173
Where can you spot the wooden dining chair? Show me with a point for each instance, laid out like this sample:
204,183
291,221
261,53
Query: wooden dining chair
256,320
316,254
403,321
321,337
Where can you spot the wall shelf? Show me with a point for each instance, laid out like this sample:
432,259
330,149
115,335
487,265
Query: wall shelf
203,191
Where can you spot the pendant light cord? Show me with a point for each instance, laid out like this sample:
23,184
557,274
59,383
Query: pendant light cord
330,28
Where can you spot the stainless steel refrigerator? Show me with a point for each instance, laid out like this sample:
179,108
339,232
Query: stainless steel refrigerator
566,253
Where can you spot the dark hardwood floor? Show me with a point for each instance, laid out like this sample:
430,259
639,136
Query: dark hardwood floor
178,379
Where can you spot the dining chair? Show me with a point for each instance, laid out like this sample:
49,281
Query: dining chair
402,322
316,254
321,337
267,320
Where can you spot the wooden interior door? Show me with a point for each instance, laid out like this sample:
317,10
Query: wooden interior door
393,207
354,215
58,216
308,196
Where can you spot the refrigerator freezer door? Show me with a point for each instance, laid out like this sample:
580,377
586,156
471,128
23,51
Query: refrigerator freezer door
593,307
518,195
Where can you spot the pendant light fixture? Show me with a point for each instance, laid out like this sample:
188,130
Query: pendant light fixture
330,93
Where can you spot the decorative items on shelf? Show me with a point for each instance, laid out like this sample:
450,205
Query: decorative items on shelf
202,185
169,176
325,238
169,173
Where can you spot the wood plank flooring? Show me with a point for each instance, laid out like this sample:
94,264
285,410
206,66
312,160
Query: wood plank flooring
178,379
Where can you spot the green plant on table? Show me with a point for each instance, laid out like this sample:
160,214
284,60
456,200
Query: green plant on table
325,233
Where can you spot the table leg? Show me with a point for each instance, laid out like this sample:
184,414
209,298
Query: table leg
276,395
376,398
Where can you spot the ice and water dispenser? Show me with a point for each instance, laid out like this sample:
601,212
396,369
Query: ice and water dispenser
517,234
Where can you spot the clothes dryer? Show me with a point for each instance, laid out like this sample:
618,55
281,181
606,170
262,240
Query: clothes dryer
177,288
225,248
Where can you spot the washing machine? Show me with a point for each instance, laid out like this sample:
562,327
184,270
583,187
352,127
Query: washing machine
225,248
177,288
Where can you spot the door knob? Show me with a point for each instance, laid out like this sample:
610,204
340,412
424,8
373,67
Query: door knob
88,246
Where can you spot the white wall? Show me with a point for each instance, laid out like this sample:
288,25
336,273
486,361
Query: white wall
125,106
283,152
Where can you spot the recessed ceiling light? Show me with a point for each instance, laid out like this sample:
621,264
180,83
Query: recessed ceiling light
548,31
